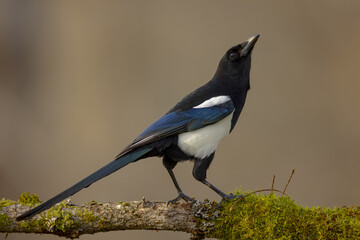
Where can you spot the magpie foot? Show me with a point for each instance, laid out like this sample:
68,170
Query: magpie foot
181,196
228,197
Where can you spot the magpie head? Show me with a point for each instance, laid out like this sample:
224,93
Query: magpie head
237,60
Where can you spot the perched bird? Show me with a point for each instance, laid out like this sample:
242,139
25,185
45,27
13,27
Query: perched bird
191,130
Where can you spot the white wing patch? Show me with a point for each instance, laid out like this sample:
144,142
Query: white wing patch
204,141
213,101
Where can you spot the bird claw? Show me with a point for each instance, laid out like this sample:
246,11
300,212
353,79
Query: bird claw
181,196
228,197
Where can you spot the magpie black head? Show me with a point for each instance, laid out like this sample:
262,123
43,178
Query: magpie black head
236,61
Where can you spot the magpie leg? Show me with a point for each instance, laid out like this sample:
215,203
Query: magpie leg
199,173
223,195
181,194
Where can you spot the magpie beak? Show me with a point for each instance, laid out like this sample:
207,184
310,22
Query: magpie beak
250,43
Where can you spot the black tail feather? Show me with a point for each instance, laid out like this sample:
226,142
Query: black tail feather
99,174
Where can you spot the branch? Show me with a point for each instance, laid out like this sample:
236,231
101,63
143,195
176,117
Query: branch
257,216
68,220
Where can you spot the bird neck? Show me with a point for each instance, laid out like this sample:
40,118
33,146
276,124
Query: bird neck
232,84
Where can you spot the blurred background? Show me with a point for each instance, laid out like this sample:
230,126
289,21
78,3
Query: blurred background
80,80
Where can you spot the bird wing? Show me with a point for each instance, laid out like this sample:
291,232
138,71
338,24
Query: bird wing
179,122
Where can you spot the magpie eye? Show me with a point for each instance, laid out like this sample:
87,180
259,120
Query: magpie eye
233,56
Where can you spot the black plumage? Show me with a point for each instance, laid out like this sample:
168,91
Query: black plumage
191,130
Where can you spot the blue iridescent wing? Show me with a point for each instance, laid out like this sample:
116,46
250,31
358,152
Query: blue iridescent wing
179,122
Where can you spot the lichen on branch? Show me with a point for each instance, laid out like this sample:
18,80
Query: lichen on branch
257,216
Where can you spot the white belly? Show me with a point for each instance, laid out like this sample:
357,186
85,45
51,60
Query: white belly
203,142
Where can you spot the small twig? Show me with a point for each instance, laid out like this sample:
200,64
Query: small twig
265,190
273,182
292,173
257,191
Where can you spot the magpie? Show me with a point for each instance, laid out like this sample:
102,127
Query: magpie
191,130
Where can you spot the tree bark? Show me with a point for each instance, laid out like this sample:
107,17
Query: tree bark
71,221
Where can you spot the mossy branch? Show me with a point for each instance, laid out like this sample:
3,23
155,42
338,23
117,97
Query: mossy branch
257,216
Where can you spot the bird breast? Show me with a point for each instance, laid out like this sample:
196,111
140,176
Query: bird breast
204,141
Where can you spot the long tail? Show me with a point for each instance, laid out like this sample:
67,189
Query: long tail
99,174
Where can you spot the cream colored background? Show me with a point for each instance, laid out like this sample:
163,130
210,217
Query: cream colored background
80,80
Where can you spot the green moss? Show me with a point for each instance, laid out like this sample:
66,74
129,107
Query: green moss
126,204
4,202
88,216
30,225
61,217
272,217
92,202
4,219
28,199
57,219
